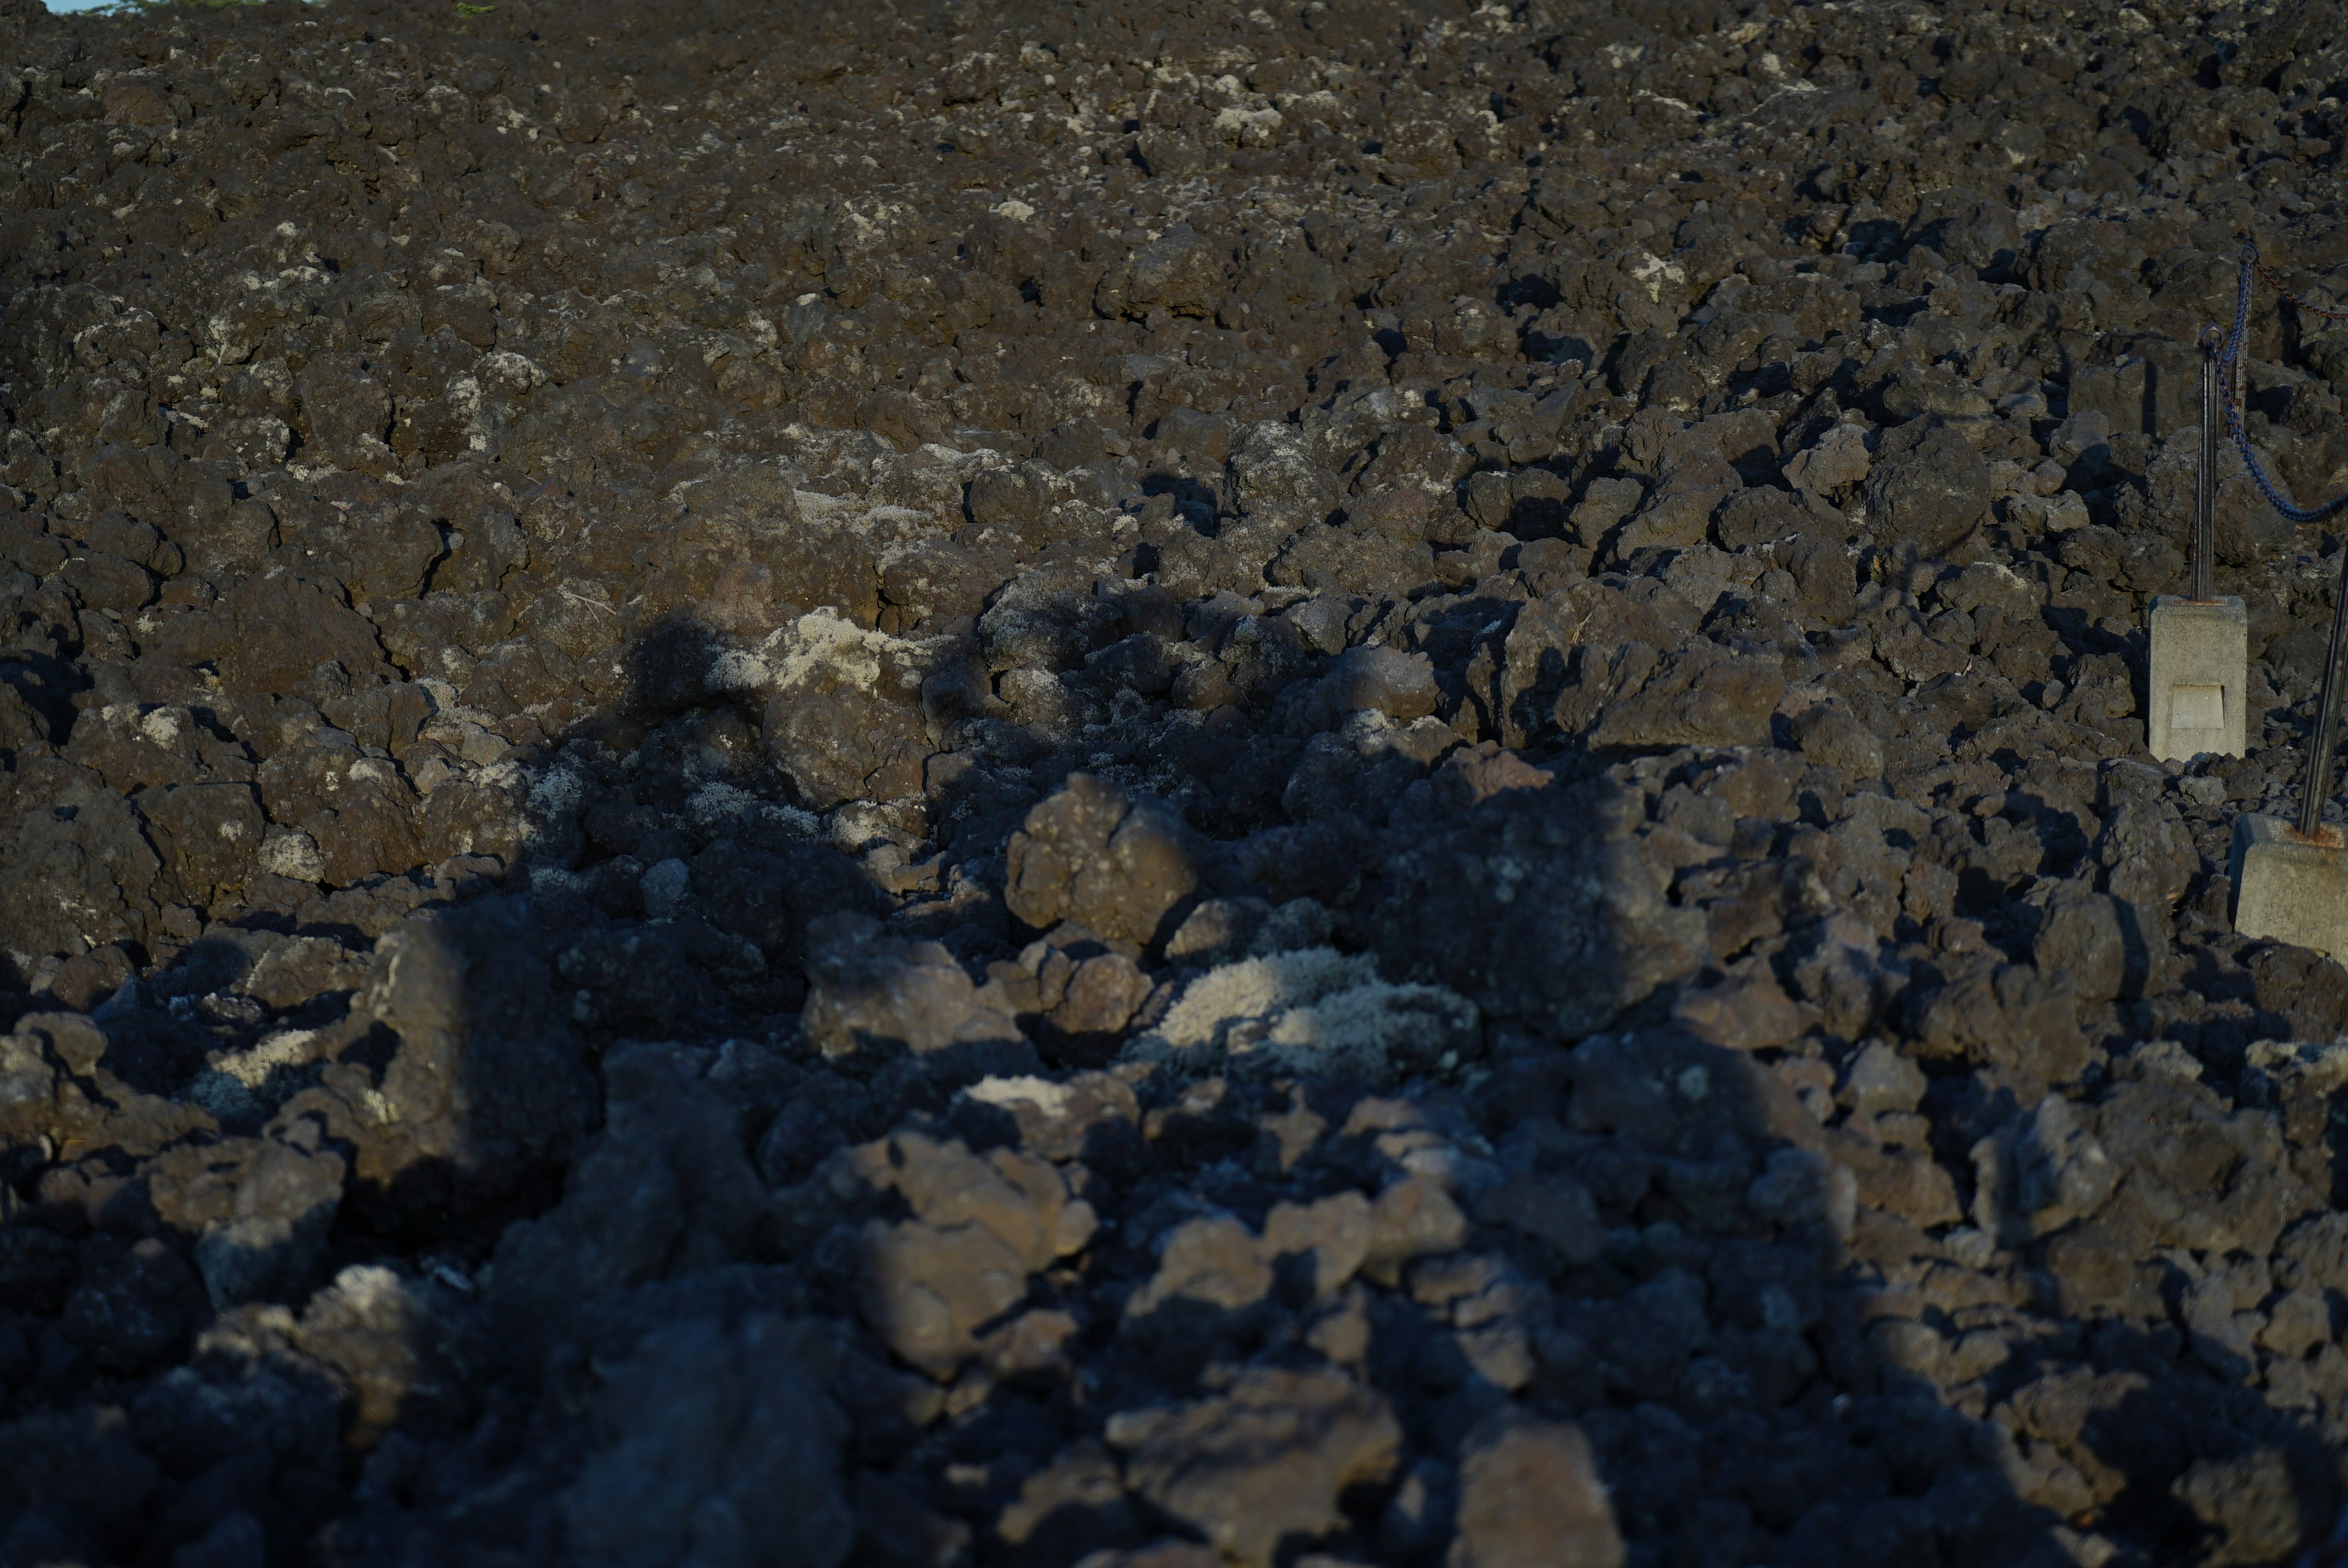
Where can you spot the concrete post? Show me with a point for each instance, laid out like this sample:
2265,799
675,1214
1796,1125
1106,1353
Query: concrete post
2199,681
2197,692
2291,879
2291,888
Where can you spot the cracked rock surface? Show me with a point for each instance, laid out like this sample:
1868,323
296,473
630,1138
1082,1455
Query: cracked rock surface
989,785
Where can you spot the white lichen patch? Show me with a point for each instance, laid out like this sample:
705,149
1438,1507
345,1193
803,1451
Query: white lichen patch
714,804
822,646
1315,1011
294,853
236,1085
252,1065
1006,1092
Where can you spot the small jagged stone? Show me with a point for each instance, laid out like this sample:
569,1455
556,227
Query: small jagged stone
1529,1493
1266,1461
1092,855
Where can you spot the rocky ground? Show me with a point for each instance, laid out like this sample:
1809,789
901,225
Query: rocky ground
1153,785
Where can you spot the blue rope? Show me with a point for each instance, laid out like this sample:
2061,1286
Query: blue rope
2229,381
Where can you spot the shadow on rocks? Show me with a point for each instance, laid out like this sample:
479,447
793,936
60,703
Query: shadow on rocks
1180,983
1003,1171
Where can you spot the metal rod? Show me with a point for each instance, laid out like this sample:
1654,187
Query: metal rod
2205,487
2327,714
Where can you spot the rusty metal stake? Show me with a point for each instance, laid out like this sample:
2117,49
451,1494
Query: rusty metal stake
2205,485
2327,714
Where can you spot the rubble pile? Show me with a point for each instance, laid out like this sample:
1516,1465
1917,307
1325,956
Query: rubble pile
988,785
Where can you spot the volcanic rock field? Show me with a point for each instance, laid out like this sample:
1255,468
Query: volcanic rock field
1005,785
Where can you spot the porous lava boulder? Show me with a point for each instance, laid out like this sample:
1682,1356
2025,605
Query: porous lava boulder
710,1438
1267,1460
485,1090
844,721
1535,904
1529,1495
1117,865
1925,487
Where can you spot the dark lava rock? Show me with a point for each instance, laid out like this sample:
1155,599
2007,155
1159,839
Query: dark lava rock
1269,1459
1530,1494
1091,854
1536,909
484,1090
1926,487
709,1440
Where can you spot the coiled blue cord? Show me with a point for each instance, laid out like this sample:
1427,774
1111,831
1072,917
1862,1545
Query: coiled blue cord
2229,381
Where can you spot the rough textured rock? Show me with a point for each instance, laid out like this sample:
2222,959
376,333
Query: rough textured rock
1263,1464
713,1444
664,1188
1529,1494
1926,486
484,1090
878,995
845,719
980,1227
1529,908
